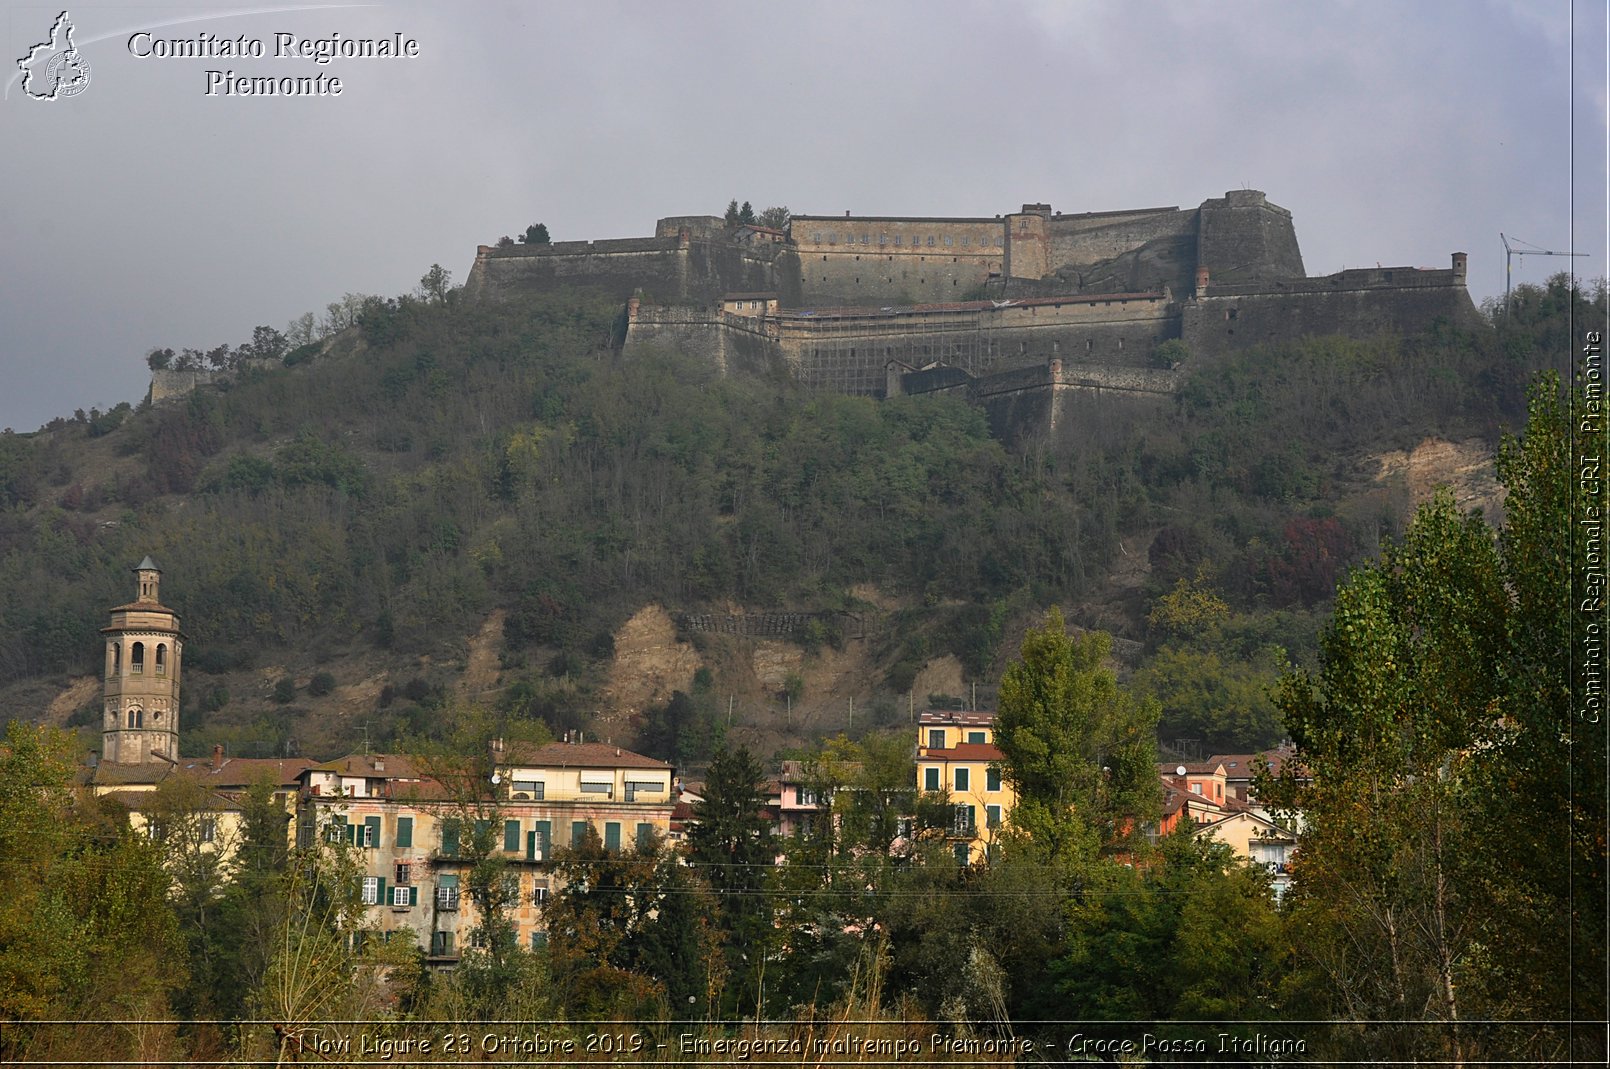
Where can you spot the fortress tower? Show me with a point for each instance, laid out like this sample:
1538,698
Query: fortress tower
141,722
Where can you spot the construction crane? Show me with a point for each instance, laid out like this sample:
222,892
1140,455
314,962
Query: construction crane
1510,252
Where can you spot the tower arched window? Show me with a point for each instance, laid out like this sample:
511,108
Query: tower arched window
137,658
117,660
162,658
136,717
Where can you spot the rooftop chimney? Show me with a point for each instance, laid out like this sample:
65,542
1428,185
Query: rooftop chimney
217,755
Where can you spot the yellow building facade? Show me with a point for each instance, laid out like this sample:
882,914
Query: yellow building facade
956,754
415,825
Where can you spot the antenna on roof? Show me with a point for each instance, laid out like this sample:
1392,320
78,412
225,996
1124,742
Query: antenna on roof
365,727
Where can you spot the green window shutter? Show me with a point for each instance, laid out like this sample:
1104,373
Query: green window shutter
348,832
450,838
645,834
530,846
413,896
372,832
992,779
447,880
578,832
405,831
482,828
511,836
930,779
612,837
545,838
380,896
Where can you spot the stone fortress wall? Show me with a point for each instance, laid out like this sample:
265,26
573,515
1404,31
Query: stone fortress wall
862,304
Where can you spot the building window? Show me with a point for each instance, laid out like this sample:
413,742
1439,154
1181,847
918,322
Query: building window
450,838
447,892
930,779
511,836
992,779
808,796
883,239
960,852
369,834
162,658
403,897
539,940
936,739
930,241
645,836
405,873
371,890
209,829
441,944
976,737
405,831
538,841
962,820
527,789
612,836
540,893
963,779
578,833
137,658
897,239
992,815
1196,788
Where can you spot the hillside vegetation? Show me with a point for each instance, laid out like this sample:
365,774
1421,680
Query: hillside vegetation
337,529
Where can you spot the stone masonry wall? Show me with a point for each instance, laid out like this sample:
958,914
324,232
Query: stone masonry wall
1243,238
1359,304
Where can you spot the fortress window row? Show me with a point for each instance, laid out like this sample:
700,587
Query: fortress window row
897,240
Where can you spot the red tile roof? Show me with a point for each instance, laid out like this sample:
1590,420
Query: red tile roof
576,755
964,751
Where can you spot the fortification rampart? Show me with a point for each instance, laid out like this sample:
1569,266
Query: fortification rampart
1356,303
680,268
169,383
166,383
861,301
1241,237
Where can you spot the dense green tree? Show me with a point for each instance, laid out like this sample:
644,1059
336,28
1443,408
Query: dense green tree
433,285
535,234
1079,751
776,217
730,845
85,928
1222,702
1194,935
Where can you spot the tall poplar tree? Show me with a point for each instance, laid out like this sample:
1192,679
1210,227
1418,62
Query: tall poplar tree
1452,865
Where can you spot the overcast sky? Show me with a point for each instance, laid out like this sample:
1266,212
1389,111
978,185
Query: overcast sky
142,212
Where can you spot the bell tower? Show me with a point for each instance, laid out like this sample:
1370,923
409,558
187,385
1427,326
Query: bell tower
143,645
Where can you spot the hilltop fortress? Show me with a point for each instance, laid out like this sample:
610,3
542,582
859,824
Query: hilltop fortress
1028,303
